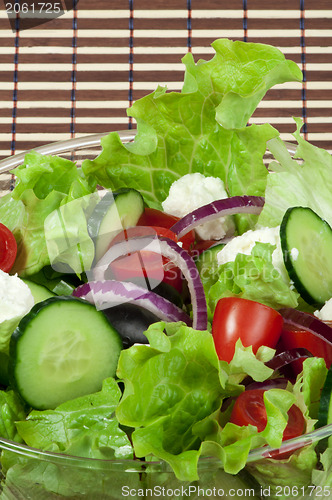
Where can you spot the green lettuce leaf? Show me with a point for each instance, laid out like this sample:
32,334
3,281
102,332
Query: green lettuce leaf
252,277
246,363
170,385
297,470
11,410
84,427
233,443
294,472
308,388
241,73
308,183
201,129
323,478
45,183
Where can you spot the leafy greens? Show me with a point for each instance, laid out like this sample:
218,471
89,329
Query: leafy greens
45,184
201,129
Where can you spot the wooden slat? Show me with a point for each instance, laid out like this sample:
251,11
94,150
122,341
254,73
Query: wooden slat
46,112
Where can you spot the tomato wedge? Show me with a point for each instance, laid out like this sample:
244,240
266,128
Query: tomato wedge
237,318
8,249
145,265
249,408
157,218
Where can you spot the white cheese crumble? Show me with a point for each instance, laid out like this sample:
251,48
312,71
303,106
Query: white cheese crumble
325,313
193,191
16,299
246,242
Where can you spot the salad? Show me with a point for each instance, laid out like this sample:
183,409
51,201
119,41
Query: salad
169,299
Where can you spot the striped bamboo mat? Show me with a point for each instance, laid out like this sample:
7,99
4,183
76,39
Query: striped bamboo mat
77,73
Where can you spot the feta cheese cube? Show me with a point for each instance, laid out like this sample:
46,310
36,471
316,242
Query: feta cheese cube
193,191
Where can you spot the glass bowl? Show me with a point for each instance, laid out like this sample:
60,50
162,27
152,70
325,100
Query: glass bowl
28,473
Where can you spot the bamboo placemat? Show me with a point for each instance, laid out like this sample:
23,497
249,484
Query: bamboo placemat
76,74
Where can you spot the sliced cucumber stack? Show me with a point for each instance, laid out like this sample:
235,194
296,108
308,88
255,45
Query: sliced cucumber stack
114,212
306,242
64,348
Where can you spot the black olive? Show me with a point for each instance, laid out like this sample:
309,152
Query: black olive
130,321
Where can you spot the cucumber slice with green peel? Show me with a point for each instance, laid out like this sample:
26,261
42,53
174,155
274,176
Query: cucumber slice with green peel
39,292
62,349
115,212
4,359
306,242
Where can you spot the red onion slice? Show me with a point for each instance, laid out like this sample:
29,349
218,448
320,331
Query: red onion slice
276,383
307,321
171,250
108,293
287,357
216,209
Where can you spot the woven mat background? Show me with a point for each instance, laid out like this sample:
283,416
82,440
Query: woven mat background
76,74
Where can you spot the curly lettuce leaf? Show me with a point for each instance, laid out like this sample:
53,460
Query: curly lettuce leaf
245,363
307,184
323,478
11,410
84,427
252,277
232,443
298,469
173,393
241,73
170,385
201,129
295,472
308,387
45,183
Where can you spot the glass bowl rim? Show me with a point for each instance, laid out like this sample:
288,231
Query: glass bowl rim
256,454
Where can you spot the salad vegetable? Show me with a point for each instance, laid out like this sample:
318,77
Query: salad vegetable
8,249
254,323
224,354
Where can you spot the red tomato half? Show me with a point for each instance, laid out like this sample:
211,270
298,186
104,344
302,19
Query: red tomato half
8,249
254,323
146,265
292,337
153,217
249,408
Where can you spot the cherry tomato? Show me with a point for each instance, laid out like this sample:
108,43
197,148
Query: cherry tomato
157,218
292,337
8,249
254,323
249,408
146,265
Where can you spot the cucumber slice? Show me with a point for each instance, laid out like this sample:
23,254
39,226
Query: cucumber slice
39,292
114,212
306,242
64,348
57,283
4,359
